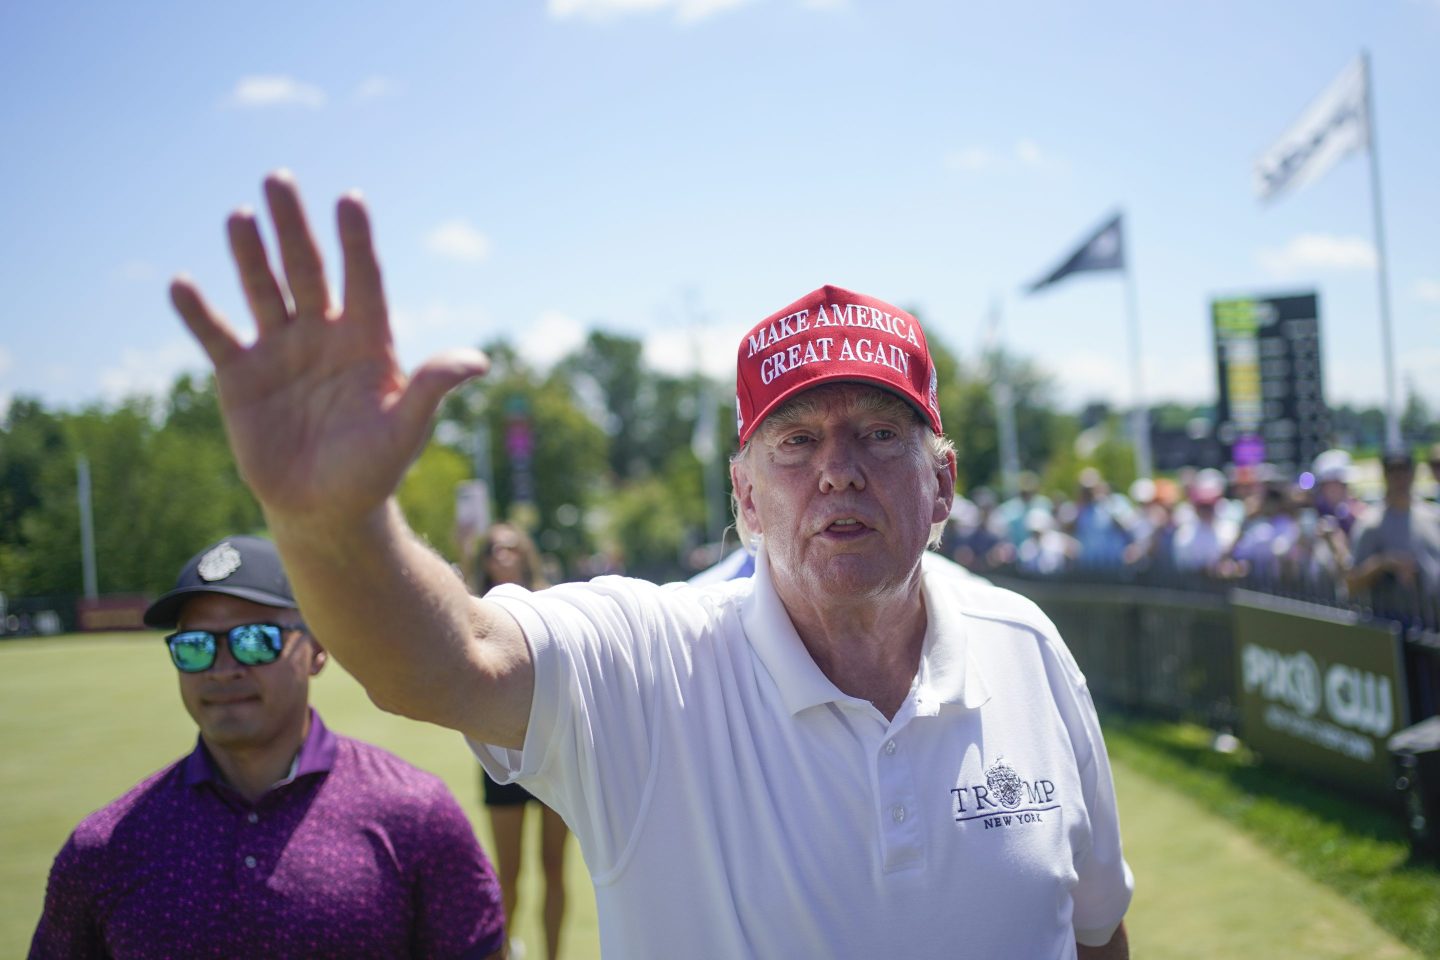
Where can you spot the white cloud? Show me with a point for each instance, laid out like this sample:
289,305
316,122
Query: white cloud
6,361
375,88
1310,252
969,159
151,371
692,10
274,90
1025,154
1427,291
1084,376
1028,153
412,323
684,10
458,240
675,351
423,331
134,271
550,338
600,9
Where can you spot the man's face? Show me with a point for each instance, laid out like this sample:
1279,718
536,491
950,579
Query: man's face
241,707
843,486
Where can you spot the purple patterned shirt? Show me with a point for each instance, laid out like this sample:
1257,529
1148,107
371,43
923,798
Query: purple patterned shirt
357,854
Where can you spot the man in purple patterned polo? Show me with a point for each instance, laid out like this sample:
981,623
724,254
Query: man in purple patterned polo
275,837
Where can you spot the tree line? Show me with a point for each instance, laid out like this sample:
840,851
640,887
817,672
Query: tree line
599,456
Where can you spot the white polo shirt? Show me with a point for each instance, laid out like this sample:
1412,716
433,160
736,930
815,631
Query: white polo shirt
731,802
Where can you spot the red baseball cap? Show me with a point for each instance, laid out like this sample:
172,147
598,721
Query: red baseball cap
832,335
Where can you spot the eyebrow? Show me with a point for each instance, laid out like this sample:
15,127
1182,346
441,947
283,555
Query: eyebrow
883,404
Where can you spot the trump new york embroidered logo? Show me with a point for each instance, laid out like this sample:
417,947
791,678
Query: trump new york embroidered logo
1005,799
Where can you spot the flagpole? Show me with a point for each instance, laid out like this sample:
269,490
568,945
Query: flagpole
1140,411
1004,405
706,447
1392,421
87,527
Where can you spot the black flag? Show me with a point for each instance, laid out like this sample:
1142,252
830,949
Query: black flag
1102,250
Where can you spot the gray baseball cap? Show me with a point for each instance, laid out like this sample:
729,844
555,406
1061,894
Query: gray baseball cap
244,567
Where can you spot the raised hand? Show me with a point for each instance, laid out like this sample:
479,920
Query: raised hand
322,420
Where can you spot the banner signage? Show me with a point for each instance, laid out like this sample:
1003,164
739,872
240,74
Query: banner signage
1320,690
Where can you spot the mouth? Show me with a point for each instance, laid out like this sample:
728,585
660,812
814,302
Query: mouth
845,527
230,699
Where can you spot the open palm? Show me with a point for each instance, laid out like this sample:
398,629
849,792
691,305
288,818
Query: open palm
322,420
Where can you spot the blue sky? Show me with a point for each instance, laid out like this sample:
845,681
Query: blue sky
678,169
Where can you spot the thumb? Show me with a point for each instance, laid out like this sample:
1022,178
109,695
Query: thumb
435,378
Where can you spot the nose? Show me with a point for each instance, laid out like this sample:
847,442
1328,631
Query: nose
225,663
840,467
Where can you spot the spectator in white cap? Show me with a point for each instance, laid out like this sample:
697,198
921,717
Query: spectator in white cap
1333,471
1047,550
1205,537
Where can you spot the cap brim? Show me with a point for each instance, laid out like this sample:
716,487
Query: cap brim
165,611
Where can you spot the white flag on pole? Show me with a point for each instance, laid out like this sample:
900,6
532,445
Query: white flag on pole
1332,126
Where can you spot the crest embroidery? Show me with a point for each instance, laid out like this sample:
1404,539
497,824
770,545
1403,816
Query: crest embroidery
1004,783
219,563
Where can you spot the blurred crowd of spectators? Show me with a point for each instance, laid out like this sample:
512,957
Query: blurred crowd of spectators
1312,533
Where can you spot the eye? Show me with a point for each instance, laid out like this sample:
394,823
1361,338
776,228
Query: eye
885,433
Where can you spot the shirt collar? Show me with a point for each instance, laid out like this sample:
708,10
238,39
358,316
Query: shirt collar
317,755
772,635
947,673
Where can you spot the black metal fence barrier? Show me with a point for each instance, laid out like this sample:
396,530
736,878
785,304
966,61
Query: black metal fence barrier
1166,647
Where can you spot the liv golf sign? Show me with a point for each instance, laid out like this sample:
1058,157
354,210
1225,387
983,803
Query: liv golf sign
1320,690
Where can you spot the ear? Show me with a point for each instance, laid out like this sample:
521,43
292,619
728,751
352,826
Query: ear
745,496
945,494
319,658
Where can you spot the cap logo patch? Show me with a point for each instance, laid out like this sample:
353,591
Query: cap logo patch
219,563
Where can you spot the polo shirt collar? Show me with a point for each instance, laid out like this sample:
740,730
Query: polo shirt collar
772,635
317,755
947,673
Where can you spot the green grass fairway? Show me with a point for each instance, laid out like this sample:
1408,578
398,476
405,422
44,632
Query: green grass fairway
1204,889
83,718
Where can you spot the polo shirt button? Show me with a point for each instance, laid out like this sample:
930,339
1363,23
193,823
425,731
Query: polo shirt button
253,817
250,862
897,813
889,747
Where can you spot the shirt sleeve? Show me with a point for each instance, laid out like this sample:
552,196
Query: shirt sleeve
458,910
68,926
600,672
1104,883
